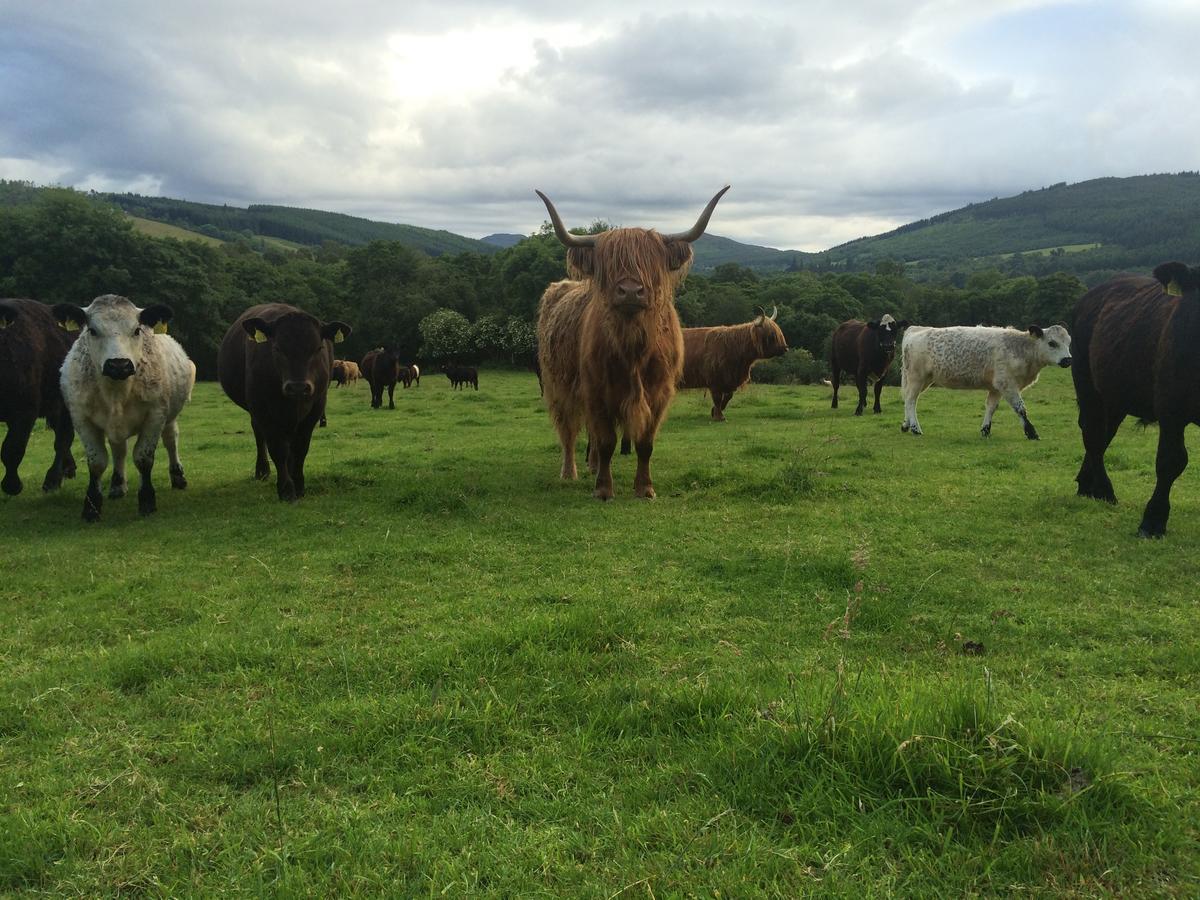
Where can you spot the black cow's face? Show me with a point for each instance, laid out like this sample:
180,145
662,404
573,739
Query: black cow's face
299,352
887,330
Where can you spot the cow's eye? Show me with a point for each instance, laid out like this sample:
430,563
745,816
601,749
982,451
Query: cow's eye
1053,344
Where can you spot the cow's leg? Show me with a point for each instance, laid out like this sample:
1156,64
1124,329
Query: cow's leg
878,390
626,444
262,468
860,381
1169,464
64,463
280,448
989,410
1098,426
1013,396
911,387
719,399
143,459
118,485
603,436
13,451
376,397
834,378
170,439
96,452
642,485
566,423
392,395
301,440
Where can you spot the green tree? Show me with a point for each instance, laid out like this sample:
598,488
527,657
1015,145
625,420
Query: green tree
445,336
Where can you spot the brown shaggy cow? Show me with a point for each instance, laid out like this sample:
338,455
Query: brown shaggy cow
274,363
609,342
1134,351
719,358
866,351
32,350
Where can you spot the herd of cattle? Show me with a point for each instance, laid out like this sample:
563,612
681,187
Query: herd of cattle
612,354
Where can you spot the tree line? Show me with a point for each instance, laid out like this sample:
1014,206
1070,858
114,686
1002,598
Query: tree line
62,246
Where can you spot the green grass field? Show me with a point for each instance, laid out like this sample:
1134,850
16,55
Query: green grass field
444,672
163,230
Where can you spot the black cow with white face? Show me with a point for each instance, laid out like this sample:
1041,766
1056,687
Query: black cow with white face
865,350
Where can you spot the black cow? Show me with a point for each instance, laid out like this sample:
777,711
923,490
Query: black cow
386,370
461,376
865,350
32,349
1134,346
274,363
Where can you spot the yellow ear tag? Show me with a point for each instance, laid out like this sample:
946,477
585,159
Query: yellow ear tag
1174,289
259,337
160,328
338,337
3,323
70,325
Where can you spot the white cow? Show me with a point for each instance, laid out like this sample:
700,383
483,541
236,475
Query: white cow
124,377
1002,361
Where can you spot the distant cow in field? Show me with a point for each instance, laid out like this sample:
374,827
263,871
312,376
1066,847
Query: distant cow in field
1002,361
337,373
123,378
274,362
461,376
865,350
353,373
1136,341
719,358
386,369
609,342
414,375
32,350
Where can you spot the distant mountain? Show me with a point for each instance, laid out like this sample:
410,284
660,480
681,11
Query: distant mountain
502,239
1090,227
712,250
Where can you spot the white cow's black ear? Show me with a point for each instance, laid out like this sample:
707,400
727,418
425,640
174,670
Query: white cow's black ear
70,317
153,316
1035,331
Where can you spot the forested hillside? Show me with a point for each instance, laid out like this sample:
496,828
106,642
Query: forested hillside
1092,229
64,246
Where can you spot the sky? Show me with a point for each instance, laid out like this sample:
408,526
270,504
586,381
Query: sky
831,120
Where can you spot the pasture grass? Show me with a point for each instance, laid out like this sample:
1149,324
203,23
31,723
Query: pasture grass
830,659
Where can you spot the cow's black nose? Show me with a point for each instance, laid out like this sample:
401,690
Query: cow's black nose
117,369
297,389
1066,363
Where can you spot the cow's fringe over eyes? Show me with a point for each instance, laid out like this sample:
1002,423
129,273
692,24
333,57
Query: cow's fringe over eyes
636,252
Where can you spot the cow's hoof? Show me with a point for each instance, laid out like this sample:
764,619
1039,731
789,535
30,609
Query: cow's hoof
858,412
287,494
11,485
91,512
646,493
904,427
603,494
51,484
915,431
117,490
69,468
178,482
147,503
1153,531
985,431
1032,435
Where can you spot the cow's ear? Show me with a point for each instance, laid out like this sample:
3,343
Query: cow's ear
679,254
1173,276
335,331
258,330
156,317
8,315
70,317
1035,331
581,262
872,325
903,323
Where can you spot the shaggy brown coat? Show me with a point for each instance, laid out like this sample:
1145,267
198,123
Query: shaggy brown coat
719,358
610,346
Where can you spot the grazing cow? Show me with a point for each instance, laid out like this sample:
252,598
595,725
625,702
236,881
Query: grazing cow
353,373
414,375
719,358
1002,361
385,371
461,376
32,349
865,350
274,362
124,377
1136,340
609,342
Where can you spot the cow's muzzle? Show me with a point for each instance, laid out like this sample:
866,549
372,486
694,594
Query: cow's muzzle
1065,363
297,389
117,369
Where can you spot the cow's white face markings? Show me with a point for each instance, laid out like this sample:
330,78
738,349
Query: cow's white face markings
113,332
1055,345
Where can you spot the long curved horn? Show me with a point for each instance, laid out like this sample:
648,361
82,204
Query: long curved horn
759,312
567,239
774,312
701,223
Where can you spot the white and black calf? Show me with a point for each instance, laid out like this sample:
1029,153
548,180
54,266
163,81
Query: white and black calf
124,378
1002,361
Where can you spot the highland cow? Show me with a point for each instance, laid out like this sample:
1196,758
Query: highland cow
719,358
610,346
